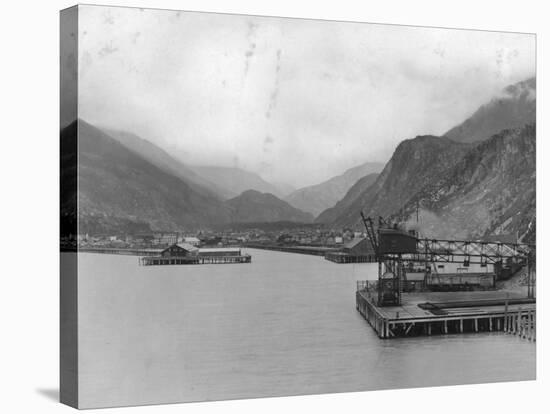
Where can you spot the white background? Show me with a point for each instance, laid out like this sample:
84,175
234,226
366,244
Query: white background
29,193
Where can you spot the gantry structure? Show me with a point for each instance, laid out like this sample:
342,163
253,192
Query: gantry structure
397,249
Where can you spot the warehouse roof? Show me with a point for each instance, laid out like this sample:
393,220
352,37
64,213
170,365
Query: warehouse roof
220,249
186,246
192,239
354,242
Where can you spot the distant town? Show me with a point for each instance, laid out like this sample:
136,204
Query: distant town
292,236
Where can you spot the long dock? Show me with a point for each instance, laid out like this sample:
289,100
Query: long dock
188,260
431,313
121,250
340,257
311,250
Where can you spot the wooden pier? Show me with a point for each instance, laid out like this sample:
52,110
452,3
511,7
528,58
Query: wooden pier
120,250
310,250
340,258
431,313
190,260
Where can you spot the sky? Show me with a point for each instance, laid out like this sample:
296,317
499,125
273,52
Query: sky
296,101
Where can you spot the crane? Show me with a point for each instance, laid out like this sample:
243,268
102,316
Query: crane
395,247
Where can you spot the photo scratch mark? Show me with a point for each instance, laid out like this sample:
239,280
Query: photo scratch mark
107,50
275,93
268,141
108,18
249,53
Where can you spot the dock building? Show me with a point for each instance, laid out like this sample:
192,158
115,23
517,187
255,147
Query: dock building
185,253
358,250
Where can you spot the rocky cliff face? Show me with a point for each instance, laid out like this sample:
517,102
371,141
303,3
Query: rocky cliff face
254,207
515,107
415,163
490,191
476,181
362,185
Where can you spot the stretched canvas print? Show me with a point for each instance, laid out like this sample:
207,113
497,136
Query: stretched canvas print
263,206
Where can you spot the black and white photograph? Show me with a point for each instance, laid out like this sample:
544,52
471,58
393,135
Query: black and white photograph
260,206
226,203
256,201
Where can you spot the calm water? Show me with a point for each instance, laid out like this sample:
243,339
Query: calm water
284,325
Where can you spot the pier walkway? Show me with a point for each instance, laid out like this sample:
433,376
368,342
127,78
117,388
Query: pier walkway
341,257
198,259
121,250
430,313
311,250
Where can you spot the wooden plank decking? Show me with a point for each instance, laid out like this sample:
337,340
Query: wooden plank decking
458,313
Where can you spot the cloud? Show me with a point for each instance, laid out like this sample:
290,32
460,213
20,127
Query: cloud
249,53
334,94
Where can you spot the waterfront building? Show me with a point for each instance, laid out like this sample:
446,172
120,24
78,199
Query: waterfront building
180,250
221,251
194,241
356,251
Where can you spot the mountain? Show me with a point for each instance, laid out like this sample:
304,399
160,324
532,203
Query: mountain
415,163
235,180
362,185
283,189
160,158
272,226
68,181
316,198
223,182
419,165
490,191
515,107
120,191
253,206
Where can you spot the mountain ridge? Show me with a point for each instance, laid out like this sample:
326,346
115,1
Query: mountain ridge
255,206
490,191
317,198
117,187
362,185
142,189
420,168
235,180
162,159
514,107
414,162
